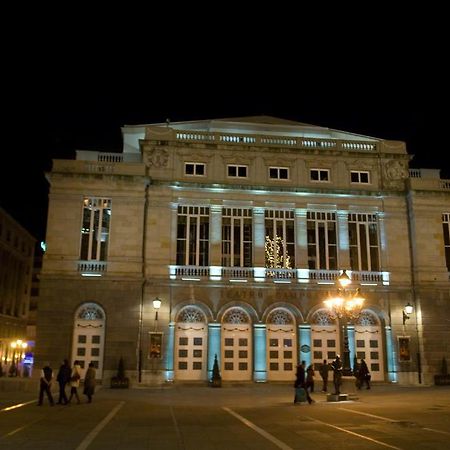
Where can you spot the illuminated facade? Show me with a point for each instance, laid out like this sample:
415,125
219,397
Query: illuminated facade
240,226
16,266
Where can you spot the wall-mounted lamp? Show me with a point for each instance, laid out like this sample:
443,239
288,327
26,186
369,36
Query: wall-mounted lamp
156,305
407,310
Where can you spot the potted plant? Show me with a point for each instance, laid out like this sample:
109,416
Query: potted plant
216,379
120,381
444,377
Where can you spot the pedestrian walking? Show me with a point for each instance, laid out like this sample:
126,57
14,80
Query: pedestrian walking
336,365
309,385
89,382
363,375
63,378
324,374
45,385
301,393
75,382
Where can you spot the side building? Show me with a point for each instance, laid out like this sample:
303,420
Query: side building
240,228
16,266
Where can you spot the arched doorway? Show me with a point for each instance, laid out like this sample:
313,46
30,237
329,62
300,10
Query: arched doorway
236,345
281,345
324,337
89,337
369,343
191,344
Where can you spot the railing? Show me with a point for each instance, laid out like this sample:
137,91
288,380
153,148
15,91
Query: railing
281,274
274,274
299,142
192,271
237,272
92,267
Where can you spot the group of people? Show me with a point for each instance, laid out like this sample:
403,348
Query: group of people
67,376
304,378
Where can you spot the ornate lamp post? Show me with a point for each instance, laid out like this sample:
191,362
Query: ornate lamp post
345,306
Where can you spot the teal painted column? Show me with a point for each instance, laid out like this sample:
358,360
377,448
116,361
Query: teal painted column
260,353
213,346
391,357
169,353
304,344
351,343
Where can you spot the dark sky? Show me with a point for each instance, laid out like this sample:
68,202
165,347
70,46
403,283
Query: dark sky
80,101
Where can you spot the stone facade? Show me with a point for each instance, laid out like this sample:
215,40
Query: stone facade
16,266
165,206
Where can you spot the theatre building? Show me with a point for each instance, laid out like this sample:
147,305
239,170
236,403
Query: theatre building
240,227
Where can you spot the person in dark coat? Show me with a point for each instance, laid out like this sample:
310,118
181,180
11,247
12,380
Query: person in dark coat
45,385
63,378
336,365
324,374
89,382
363,375
300,382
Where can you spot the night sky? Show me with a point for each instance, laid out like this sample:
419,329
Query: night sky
83,107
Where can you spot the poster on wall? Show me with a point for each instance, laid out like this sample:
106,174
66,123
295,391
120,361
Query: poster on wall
155,350
404,351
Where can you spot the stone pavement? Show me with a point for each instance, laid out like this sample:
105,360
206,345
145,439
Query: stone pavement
236,416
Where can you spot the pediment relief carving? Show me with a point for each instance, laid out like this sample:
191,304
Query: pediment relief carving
156,157
395,172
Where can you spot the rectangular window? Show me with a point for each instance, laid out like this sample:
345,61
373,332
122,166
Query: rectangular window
237,234
279,173
357,176
95,229
195,169
363,240
319,175
234,171
446,230
193,236
279,226
322,240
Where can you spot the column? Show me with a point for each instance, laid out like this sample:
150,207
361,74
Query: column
343,244
169,356
215,236
260,352
259,239
304,344
391,356
351,343
214,332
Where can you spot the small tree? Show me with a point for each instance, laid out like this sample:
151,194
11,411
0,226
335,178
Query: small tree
120,381
444,369
121,369
216,380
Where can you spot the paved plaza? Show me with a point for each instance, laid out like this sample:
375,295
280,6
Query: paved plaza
254,416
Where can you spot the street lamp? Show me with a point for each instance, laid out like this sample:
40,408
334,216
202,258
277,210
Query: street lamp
407,310
345,305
